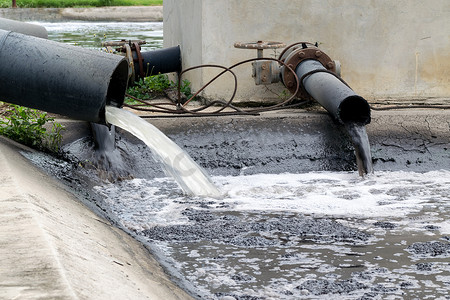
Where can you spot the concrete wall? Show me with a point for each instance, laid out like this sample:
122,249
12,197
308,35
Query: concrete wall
388,49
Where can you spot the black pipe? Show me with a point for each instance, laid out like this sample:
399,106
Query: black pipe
60,78
24,28
334,95
156,62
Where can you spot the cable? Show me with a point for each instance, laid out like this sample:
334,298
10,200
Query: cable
181,108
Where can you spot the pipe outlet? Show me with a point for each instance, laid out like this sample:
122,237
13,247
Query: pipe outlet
60,78
334,95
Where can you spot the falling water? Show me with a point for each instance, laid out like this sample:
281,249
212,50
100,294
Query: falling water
175,162
360,141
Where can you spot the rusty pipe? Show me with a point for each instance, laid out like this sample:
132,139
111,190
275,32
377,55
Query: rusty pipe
319,78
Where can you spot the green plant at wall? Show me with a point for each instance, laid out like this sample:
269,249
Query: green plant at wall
26,126
154,86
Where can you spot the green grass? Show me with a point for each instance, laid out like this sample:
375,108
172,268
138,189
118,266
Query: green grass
79,3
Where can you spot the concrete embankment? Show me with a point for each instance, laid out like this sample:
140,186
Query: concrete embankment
54,247
110,13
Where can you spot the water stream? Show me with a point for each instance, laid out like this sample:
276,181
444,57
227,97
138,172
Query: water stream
176,162
360,140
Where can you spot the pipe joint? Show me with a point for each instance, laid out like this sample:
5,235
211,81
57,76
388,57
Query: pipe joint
319,79
296,54
266,72
146,63
330,91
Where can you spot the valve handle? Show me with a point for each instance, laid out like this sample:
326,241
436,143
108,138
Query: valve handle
259,45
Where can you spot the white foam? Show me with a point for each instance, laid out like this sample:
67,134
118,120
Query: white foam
339,194
388,195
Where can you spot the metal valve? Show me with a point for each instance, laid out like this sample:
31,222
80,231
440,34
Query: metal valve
264,71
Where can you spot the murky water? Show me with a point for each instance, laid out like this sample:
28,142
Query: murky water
286,236
92,34
176,162
291,236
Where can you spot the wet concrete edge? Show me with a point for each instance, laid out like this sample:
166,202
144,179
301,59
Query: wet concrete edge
53,246
109,13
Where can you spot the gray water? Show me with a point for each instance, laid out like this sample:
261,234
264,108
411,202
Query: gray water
289,236
298,236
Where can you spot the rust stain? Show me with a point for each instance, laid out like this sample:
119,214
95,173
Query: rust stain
434,70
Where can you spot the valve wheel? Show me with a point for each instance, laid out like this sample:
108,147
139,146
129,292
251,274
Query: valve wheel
259,45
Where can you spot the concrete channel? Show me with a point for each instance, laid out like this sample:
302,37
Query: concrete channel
55,247
294,141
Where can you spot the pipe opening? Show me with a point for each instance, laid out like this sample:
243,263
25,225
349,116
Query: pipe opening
118,85
354,109
160,61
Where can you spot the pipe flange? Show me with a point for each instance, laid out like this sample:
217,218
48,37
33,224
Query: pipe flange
139,60
295,57
259,45
292,47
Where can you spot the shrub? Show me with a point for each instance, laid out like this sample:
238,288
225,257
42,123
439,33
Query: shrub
26,126
153,86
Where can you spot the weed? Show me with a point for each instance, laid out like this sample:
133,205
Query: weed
26,126
154,86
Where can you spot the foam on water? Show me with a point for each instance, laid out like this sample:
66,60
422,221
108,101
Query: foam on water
176,162
297,236
143,203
